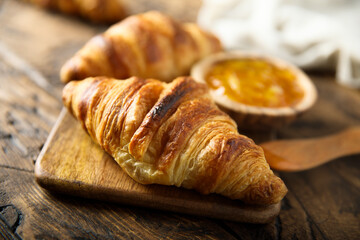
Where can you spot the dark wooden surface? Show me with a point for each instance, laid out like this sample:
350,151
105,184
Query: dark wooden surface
322,203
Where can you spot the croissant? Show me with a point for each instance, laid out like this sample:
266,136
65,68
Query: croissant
148,45
172,134
101,11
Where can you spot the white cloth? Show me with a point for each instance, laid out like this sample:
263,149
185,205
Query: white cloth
311,34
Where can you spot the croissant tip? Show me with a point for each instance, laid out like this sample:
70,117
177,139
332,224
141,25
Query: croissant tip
65,74
279,191
72,71
268,192
67,93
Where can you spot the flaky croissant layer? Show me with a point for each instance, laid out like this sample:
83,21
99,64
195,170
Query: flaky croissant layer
172,134
148,45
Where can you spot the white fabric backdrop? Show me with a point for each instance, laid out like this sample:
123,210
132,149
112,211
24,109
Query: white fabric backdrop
308,33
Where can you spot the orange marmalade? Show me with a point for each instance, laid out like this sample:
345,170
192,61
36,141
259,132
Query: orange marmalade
255,82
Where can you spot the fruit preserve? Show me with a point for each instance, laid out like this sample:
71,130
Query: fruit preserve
255,82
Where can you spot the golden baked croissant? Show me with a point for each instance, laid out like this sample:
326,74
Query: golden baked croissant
101,11
172,134
148,45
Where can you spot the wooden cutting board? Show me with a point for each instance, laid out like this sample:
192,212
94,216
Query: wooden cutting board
71,163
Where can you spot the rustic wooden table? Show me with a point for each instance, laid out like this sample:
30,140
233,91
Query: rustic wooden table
322,203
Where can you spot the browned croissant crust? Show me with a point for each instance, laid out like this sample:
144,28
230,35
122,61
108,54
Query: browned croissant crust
173,134
148,45
101,11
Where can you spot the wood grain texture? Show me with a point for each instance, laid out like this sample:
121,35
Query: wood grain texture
72,163
336,109
42,38
322,203
47,216
28,113
327,197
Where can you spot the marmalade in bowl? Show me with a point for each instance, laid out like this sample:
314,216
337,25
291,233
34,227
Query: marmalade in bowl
255,82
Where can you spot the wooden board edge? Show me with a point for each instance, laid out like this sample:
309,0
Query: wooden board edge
52,183
38,170
255,214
